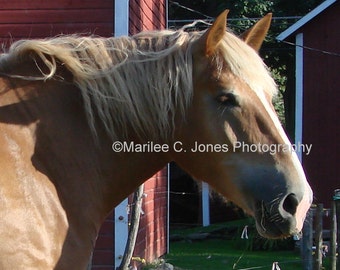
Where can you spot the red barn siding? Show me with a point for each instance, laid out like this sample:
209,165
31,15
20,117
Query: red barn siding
321,101
37,19
147,15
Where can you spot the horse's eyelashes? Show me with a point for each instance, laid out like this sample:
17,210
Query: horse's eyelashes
227,99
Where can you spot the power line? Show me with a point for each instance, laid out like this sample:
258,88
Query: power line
191,10
312,49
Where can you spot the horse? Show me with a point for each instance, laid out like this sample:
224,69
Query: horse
80,119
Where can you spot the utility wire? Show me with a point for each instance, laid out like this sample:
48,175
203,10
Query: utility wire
191,10
312,49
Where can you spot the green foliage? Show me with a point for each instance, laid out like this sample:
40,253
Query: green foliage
239,8
247,8
157,264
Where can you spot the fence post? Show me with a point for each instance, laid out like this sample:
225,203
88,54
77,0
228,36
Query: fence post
307,241
318,236
133,230
336,199
333,237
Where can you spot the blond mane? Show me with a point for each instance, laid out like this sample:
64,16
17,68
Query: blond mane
138,82
246,63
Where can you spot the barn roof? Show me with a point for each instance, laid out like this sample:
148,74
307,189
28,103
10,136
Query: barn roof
311,15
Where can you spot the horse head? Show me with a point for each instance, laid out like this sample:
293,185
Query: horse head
231,136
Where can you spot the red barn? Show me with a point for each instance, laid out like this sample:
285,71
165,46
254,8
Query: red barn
317,40
22,19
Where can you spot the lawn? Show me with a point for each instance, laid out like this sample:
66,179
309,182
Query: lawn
224,249
221,254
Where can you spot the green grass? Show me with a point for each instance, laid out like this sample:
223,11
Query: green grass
221,254
226,252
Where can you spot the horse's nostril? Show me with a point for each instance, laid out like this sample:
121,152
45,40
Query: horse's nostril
290,203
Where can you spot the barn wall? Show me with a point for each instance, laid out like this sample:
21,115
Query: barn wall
321,103
39,18
147,15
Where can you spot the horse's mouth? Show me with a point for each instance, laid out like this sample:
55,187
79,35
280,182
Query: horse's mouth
272,230
273,225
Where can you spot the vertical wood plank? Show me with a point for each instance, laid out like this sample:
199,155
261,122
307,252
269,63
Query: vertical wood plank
307,242
318,236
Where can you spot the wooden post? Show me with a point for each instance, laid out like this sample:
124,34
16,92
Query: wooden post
307,241
318,236
135,218
337,212
333,237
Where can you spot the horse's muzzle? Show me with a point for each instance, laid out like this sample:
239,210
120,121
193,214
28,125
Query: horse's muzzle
282,217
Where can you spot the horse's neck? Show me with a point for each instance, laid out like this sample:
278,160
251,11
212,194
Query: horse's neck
48,152
65,149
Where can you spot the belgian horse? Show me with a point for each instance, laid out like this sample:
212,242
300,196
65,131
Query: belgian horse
67,102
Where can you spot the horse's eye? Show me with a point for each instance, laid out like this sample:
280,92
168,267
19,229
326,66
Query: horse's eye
227,99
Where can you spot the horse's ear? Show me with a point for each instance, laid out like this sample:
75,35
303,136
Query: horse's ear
255,35
214,34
